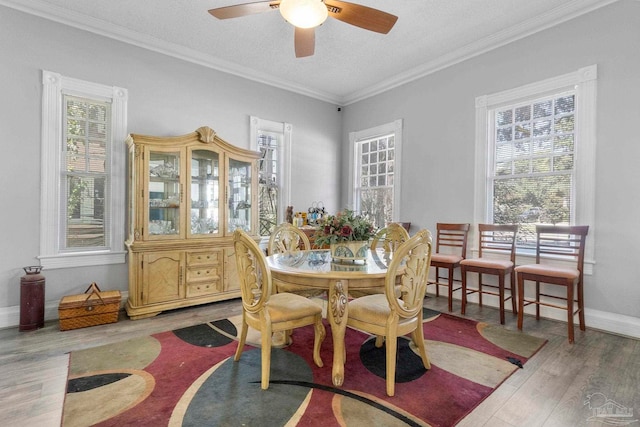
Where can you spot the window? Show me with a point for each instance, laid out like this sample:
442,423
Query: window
83,163
532,165
273,141
376,180
535,154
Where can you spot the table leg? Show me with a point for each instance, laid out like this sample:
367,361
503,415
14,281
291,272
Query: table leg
337,314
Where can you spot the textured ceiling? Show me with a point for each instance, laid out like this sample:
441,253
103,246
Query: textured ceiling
349,63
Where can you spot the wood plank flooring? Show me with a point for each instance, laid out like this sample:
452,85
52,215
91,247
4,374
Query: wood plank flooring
551,390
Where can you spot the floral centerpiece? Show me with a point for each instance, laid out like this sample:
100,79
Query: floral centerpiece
347,235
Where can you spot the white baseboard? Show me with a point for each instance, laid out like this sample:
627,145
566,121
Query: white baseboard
10,316
618,324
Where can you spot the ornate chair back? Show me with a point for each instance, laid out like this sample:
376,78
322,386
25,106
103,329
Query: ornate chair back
390,237
287,238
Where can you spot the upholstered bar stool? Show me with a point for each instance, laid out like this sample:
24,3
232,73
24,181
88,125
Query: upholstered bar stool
565,243
452,238
494,239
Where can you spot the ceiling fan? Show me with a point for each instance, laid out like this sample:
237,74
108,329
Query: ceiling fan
306,15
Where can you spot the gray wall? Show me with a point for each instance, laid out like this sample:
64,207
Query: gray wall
167,96
171,97
439,119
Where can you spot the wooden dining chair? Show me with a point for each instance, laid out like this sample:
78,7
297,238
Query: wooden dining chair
451,248
287,238
267,312
390,316
390,237
498,240
564,243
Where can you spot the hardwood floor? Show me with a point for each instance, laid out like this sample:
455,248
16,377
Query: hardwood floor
551,390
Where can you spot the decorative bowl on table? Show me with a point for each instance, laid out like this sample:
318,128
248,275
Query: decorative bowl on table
349,250
347,235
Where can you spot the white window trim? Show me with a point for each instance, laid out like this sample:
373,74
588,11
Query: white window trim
257,124
394,127
53,87
584,82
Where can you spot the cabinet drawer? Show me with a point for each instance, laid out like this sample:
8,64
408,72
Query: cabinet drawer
203,258
204,288
209,273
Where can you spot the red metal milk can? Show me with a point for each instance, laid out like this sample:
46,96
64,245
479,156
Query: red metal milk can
31,299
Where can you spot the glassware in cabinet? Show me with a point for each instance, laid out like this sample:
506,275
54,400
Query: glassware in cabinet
164,193
205,192
240,196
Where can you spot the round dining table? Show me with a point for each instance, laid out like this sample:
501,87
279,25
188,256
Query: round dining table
313,271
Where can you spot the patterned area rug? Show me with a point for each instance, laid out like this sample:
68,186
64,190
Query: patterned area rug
187,377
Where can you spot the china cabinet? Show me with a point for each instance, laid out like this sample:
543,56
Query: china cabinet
187,194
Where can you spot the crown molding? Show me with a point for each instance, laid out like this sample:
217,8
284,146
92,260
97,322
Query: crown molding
109,30
547,20
534,25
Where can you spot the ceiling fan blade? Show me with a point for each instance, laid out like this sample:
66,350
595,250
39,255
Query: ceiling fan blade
245,9
361,16
305,41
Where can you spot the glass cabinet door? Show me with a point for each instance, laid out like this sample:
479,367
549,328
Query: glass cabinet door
239,197
164,194
205,192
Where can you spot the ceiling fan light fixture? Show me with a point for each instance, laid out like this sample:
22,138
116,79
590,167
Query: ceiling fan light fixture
304,13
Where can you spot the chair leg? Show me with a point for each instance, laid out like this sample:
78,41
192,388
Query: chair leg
392,348
437,281
537,300
463,277
379,341
320,333
450,289
501,296
520,300
418,340
513,292
581,306
242,340
480,289
266,355
570,312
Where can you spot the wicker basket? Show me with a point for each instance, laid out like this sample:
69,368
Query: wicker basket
92,308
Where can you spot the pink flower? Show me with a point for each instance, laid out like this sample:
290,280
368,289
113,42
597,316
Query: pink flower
346,231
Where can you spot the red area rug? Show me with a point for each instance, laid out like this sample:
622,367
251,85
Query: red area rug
188,377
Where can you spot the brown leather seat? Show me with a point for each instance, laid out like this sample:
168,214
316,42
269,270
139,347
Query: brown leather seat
452,238
560,243
494,240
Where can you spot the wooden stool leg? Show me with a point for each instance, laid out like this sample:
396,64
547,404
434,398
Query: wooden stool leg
570,312
463,274
513,291
501,296
520,300
450,289
581,306
537,300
